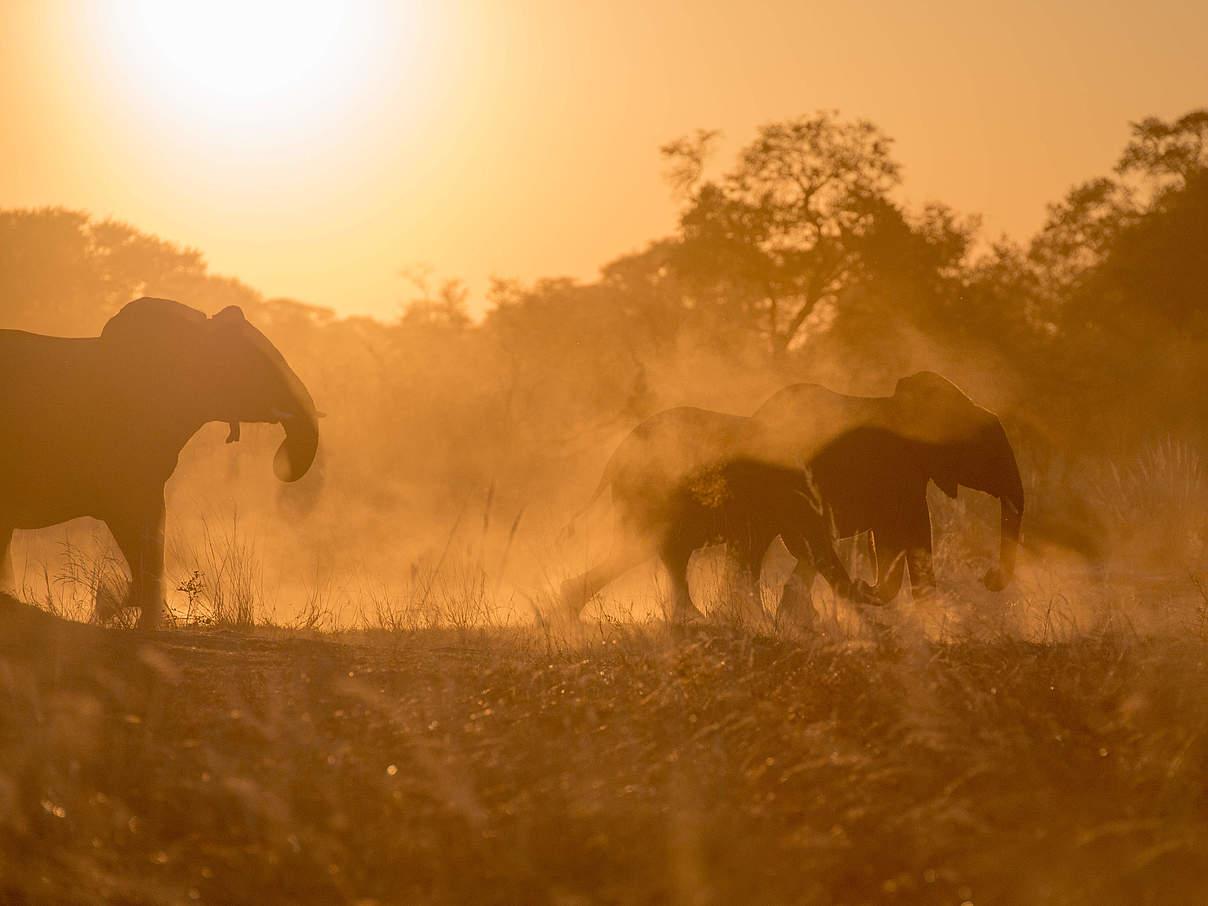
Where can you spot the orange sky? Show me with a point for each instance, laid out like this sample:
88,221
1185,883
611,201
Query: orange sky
316,151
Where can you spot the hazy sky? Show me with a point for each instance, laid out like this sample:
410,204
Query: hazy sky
315,150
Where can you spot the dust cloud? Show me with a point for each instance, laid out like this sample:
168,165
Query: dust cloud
390,709
455,451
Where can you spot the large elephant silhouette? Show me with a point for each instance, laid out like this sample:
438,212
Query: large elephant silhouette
870,459
94,426
687,477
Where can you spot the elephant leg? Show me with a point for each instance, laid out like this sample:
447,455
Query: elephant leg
578,590
918,552
820,552
675,554
7,577
796,599
891,568
760,542
910,546
749,603
752,572
140,536
922,573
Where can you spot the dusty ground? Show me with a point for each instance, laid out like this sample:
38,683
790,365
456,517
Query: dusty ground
620,764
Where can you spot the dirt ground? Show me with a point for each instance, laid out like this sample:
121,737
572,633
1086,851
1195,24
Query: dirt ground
611,764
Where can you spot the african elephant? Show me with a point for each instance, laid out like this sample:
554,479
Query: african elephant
94,426
734,502
872,457
686,477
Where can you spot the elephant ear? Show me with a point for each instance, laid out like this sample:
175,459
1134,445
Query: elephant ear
267,390
148,320
237,329
928,387
932,409
232,315
946,477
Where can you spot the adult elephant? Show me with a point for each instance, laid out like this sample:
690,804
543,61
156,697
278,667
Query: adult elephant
872,457
688,477
869,457
94,426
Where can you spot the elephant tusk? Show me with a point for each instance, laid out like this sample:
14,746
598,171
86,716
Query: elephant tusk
281,416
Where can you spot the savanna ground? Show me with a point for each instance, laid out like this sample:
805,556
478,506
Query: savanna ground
1014,755
1044,746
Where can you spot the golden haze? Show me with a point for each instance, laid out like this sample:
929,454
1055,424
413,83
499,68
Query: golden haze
315,150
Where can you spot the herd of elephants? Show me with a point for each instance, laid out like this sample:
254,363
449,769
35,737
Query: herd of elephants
94,427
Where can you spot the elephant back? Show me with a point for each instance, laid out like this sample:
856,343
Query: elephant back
151,321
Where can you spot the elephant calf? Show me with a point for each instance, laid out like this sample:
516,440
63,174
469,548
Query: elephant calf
688,477
94,426
870,459
738,502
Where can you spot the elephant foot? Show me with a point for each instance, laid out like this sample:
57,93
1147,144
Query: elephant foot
924,594
686,614
572,598
860,592
112,599
995,579
796,606
150,616
565,613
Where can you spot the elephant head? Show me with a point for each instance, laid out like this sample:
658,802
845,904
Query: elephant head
192,369
963,444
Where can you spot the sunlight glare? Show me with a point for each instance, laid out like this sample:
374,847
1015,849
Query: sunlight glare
241,50
236,61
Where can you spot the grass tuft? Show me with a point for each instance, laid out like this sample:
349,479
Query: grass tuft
606,762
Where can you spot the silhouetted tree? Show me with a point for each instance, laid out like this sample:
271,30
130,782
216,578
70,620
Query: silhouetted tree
1158,165
1079,232
913,266
779,235
61,272
443,307
1170,153
1124,264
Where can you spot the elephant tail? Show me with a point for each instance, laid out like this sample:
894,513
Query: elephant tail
568,530
606,480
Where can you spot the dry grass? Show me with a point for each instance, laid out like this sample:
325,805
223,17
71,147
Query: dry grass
1154,506
223,582
1045,746
71,576
605,762
214,578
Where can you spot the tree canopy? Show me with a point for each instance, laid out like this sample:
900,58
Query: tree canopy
798,261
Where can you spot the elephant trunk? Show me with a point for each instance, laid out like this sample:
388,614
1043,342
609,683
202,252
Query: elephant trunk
301,423
297,451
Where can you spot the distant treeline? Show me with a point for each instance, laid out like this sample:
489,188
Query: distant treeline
796,263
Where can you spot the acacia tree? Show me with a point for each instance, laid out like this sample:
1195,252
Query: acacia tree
1120,268
1081,232
1171,153
61,271
780,235
443,308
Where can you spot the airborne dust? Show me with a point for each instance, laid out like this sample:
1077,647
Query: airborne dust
455,451
395,719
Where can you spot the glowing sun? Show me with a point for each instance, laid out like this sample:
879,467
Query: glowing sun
245,61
